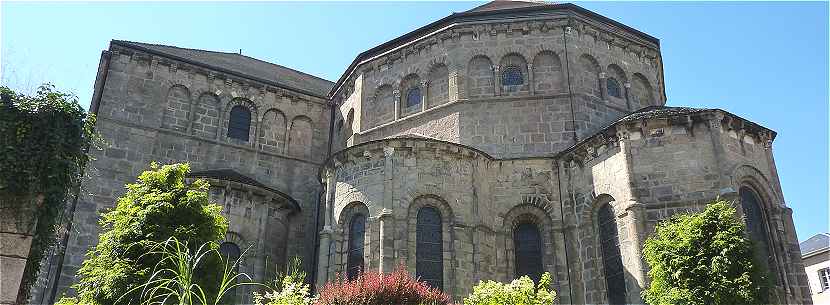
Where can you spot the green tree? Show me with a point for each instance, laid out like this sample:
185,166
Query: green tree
160,206
703,258
521,291
43,151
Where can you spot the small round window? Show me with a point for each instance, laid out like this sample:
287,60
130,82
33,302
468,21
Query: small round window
413,97
512,76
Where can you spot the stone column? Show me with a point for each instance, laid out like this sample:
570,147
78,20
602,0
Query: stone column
17,230
627,87
397,99
387,241
496,80
456,91
424,94
603,89
531,84
636,214
324,253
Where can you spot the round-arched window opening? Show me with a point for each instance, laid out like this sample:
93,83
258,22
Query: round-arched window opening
413,97
613,87
357,237
239,124
528,250
512,76
230,250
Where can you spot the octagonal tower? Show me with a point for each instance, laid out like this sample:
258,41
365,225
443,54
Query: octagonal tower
513,79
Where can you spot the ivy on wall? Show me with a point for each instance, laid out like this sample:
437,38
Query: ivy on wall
44,140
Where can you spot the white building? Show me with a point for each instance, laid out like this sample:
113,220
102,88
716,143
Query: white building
815,252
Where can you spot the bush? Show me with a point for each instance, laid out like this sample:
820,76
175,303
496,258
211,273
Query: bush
43,151
703,258
288,289
521,291
159,206
374,288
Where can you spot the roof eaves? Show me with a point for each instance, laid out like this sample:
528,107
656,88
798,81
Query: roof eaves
452,17
128,44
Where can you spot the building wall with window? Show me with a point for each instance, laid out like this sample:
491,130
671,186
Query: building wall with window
815,253
512,139
155,106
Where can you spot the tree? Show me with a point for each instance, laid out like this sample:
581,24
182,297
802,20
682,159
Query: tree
521,291
43,151
703,258
160,206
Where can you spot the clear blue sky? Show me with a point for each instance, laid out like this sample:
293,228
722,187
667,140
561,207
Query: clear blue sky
767,62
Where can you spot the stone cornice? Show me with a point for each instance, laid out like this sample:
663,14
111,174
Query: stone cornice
157,60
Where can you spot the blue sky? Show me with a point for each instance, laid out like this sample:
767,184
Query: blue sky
765,61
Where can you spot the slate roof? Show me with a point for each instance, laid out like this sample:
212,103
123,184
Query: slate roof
240,65
815,244
232,175
659,111
507,4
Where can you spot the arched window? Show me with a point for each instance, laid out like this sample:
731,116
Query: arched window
528,249
357,235
429,260
754,218
413,97
512,76
611,257
613,87
240,123
230,252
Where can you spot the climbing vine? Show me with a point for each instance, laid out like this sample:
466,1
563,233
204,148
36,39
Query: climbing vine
44,140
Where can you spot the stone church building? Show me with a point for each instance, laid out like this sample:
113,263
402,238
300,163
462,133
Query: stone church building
511,139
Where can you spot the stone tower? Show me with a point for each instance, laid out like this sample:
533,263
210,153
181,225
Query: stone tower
510,139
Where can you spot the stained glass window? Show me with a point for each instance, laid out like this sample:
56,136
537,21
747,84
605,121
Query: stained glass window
512,76
611,257
528,247
413,97
240,123
357,235
429,260
751,206
613,88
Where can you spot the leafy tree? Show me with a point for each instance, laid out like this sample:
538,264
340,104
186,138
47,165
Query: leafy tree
521,291
703,259
43,151
160,206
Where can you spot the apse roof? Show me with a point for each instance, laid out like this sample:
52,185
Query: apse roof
241,65
232,175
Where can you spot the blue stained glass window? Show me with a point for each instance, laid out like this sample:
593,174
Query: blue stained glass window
239,123
413,97
528,249
429,260
357,230
512,76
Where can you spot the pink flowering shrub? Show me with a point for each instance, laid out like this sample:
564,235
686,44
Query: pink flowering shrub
374,288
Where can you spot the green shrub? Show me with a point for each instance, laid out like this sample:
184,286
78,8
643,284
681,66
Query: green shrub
43,152
159,206
703,258
521,291
288,289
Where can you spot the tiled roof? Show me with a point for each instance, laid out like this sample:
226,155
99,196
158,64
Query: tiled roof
240,64
232,175
659,111
815,244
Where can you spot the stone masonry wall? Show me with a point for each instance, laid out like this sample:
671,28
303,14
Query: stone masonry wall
157,109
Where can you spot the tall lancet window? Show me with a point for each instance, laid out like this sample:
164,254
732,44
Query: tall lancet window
357,235
754,218
429,258
611,257
528,249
